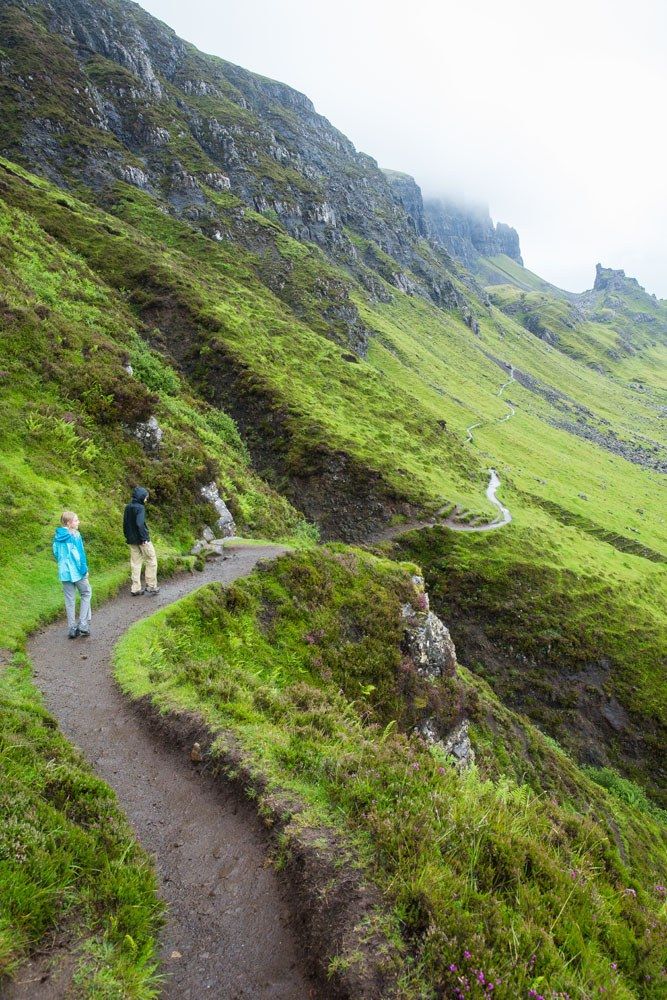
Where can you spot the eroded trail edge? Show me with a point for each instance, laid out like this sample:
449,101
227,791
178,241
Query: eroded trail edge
228,930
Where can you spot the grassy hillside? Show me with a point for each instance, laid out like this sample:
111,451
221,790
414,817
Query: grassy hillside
513,874
623,334
71,873
203,249
355,441
69,414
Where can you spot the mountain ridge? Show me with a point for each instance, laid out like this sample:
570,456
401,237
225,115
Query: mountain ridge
207,289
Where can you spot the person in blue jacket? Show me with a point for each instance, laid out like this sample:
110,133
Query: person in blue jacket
70,555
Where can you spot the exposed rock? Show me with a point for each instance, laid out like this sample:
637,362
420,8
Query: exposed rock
217,181
408,194
405,283
614,713
225,522
468,232
429,644
607,279
135,176
149,434
209,550
428,730
457,745
322,189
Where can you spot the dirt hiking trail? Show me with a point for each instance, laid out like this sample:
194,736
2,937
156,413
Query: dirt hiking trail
227,933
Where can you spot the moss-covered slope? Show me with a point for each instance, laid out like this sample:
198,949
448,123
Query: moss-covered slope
522,872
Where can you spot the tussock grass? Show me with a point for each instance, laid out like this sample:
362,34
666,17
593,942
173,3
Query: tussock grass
68,858
483,872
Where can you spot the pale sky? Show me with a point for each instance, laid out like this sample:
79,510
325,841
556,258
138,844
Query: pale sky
553,114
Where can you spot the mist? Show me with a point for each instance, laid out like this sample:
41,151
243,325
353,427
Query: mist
551,114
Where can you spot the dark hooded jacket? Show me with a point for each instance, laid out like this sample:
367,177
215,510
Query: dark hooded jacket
134,518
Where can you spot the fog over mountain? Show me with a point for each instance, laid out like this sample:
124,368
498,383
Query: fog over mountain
549,114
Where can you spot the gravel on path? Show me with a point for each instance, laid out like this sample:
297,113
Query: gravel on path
227,933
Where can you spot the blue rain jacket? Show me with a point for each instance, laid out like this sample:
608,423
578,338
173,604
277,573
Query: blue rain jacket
69,553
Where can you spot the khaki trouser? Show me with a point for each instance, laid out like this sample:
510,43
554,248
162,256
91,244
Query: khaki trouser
143,555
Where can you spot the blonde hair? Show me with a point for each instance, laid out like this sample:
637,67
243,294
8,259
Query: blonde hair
67,517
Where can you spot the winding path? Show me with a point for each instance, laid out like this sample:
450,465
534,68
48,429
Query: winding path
227,934
510,413
438,520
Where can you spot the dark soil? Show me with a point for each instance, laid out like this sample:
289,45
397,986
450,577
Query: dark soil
347,500
228,933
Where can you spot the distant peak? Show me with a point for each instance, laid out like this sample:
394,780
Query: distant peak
468,232
607,278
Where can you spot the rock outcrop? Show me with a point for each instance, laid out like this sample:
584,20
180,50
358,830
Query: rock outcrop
607,279
468,233
225,520
149,434
429,647
430,644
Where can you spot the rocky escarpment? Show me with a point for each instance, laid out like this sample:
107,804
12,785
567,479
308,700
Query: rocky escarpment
607,279
468,232
639,318
98,94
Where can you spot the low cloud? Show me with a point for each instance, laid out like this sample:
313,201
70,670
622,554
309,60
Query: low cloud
552,114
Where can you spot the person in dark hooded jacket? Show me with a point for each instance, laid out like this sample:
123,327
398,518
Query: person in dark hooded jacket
142,551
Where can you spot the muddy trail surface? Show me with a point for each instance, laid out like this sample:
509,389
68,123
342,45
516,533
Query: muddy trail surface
227,933
440,521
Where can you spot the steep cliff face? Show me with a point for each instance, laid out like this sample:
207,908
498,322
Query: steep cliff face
468,233
105,93
408,194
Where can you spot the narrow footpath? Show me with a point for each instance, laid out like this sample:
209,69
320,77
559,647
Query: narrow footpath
508,416
227,934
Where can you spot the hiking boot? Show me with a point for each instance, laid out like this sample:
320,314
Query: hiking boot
73,633
137,593
151,591
84,632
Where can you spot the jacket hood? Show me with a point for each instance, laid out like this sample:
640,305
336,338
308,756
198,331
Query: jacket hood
139,494
62,534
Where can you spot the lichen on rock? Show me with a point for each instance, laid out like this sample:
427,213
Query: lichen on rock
429,644
225,521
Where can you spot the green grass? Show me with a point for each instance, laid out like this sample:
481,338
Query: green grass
548,624
302,663
401,415
209,325
65,419
70,863
68,858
